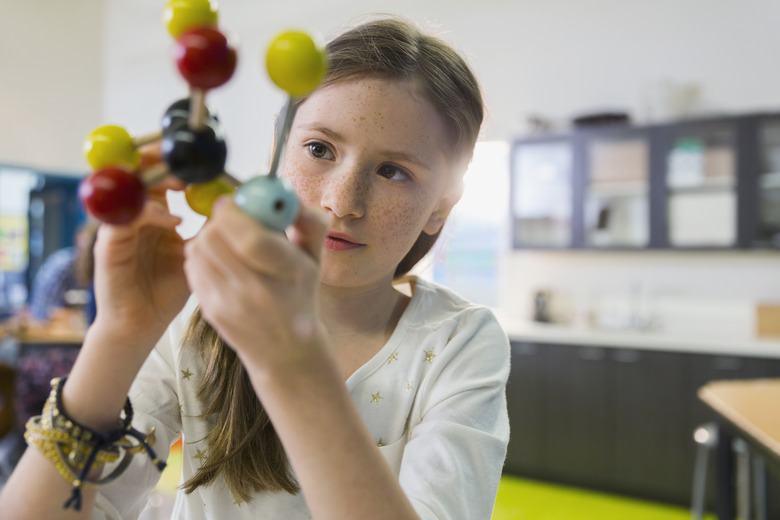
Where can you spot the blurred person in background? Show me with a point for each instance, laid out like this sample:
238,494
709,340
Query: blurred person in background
64,280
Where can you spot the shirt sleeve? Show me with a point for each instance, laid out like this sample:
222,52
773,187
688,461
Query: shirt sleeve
155,404
453,461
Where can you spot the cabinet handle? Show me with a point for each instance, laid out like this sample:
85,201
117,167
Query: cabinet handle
726,363
525,349
627,356
591,353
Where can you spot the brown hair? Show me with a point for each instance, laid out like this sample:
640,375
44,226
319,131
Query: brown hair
243,445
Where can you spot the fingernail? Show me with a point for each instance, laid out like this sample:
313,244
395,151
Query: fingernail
220,203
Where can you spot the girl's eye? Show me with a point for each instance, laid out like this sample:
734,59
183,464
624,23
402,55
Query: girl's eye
393,173
320,151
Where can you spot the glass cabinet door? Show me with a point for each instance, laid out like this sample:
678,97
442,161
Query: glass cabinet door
617,211
769,185
701,187
542,194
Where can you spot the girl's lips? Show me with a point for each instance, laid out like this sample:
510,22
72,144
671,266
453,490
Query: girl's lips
340,242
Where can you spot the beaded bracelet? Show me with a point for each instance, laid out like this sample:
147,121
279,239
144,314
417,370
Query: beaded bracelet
75,449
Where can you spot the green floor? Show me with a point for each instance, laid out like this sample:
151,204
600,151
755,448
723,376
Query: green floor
520,499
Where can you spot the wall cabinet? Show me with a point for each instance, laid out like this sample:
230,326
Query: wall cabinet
617,420
705,184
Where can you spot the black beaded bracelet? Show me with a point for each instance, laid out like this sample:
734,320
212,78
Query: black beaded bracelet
75,449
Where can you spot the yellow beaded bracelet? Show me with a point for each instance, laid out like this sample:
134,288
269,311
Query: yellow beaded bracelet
75,449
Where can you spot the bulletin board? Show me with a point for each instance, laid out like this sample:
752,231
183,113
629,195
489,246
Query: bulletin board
14,242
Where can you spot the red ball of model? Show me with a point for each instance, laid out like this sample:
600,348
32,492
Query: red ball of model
113,195
204,57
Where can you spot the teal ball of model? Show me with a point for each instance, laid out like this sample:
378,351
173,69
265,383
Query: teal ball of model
269,201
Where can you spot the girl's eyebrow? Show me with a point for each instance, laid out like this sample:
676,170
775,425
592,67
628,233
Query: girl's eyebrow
406,157
393,155
331,134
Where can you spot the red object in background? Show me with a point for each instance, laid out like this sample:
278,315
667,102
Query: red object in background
113,195
204,57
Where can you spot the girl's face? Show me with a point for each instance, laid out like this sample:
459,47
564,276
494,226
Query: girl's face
373,154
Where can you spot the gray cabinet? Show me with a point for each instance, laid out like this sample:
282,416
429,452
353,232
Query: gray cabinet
649,436
578,415
617,420
527,400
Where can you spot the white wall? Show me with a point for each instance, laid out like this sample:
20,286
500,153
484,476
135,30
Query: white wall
51,84
556,58
684,294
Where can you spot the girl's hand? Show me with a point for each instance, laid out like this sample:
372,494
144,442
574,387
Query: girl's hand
256,287
139,277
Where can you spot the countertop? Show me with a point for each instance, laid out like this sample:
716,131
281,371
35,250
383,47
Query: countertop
528,331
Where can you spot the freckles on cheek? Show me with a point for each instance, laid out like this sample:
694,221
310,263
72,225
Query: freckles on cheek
402,222
306,187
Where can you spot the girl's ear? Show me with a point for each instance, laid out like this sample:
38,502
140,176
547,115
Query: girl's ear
442,211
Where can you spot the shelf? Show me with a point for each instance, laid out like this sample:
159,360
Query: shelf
706,184
770,180
618,189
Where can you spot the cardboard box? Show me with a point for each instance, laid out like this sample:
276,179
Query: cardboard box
768,320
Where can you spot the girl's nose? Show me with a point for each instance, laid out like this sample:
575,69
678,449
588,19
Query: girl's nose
345,193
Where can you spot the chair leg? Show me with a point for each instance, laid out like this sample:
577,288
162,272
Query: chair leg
759,488
706,437
742,452
724,476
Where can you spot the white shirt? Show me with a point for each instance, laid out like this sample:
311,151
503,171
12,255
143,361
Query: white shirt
433,398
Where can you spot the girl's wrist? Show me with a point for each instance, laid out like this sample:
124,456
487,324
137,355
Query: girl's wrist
107,364
108,329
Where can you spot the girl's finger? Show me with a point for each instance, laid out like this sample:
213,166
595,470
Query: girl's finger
262,250
204,276
154,214
151,156
169,182
309,230
226,288
151,153
208,256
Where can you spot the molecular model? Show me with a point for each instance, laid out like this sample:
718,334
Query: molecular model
191,138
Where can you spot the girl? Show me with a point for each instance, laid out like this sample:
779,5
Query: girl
252,372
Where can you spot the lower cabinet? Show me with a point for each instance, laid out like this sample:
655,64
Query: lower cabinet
617,420
649,437
573,415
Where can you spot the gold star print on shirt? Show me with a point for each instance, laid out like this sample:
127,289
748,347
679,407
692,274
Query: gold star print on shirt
186,374
376,397
200,455
429,355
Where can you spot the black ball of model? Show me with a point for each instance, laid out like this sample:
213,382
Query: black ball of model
179,110
195,156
